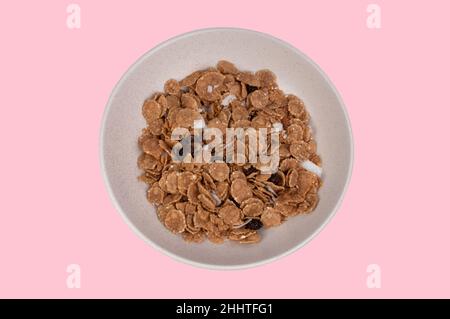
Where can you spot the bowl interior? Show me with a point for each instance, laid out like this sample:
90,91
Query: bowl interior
252,51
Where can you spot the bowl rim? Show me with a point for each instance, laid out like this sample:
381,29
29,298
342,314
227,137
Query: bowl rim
161,249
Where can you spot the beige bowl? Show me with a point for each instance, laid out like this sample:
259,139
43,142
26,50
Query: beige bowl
249,50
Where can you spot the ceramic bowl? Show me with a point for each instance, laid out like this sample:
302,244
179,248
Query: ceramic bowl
249,50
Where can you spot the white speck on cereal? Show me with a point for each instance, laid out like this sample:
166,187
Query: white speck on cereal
210,89
227,99
313,168
243,224
199,123
216,198
278,127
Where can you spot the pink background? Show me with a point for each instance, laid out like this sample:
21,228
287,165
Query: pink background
54,207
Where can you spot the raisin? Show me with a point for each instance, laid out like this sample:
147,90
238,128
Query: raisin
254,224
249,170
250,88
252,115
276,179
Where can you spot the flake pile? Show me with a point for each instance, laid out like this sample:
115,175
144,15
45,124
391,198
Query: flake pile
220,201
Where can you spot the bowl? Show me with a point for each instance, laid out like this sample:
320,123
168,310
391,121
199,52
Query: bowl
249,50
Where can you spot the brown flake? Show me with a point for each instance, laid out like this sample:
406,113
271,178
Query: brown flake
186,117
240,190
299,150
271,217
296,107
207,202
172,87
189,101
259,99
217,200
219,171
184,180
207,86
226,67
252,207
191,79
155,194
197,238
151,110
152,147
230,214
175,221
266,79
248,78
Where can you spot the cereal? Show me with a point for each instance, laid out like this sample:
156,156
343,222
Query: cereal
193,238
248,78
266,79
252,207
191,79
227,67
219,171
151,110
271,217
240,190
172,182
208,180
207,202
175,221
214,237
294,133
147,162
252,239
172,87
207,86
259,99
171,199
222,201
296,107
230,214
186,117
151,146
241,234
299,150
239,113
184,181
155,194
155,127
189,101
292,178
